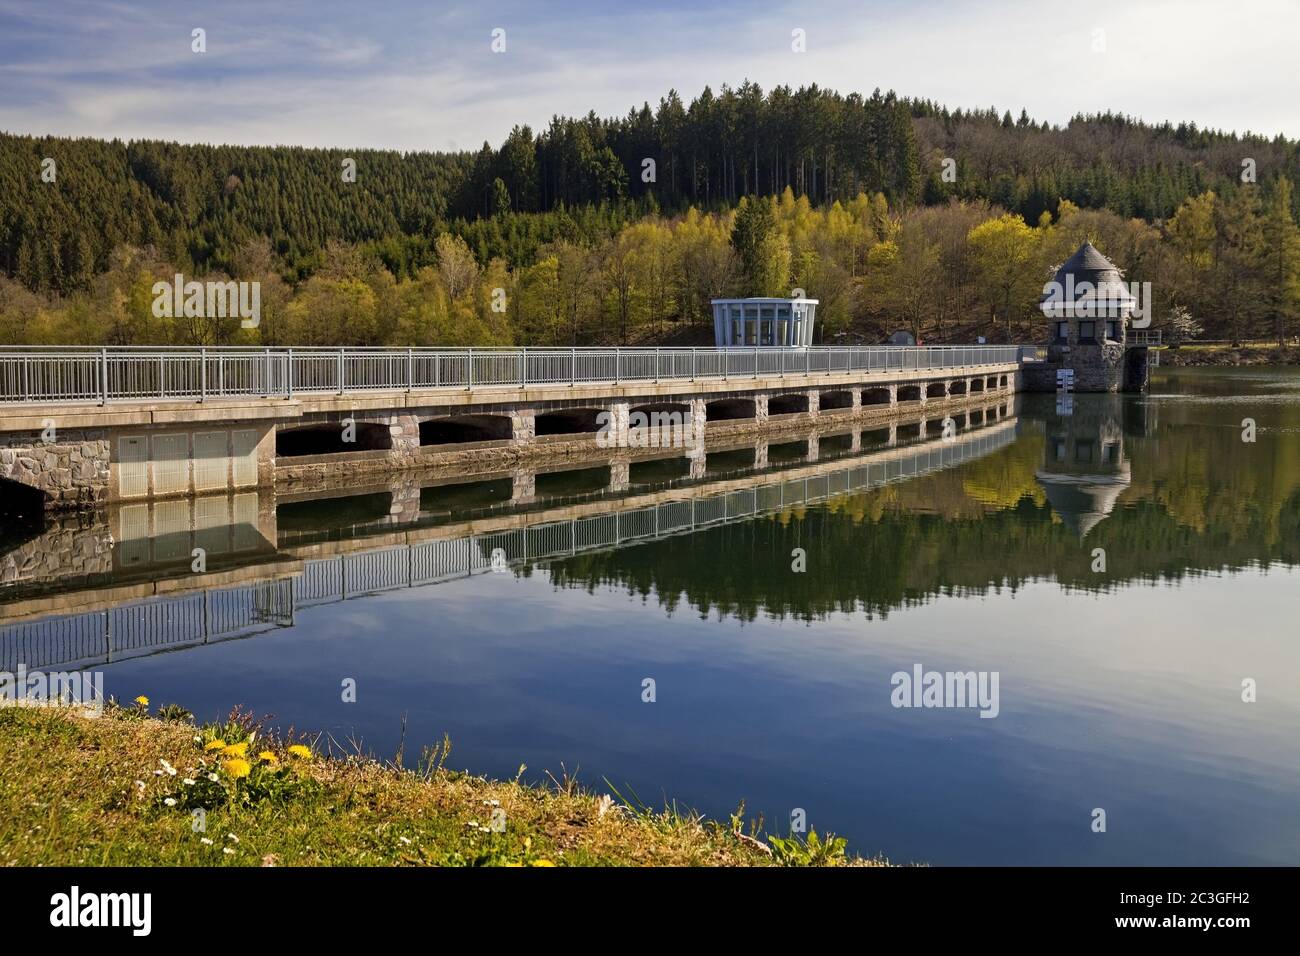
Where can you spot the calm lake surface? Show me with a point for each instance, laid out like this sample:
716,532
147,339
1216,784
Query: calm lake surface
1119,689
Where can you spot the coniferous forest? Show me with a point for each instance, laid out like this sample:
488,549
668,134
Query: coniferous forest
895,213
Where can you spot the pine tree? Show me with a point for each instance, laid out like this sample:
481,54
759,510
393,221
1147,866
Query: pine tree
1281,265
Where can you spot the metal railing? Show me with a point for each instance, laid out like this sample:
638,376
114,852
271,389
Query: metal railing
1145,337
30,375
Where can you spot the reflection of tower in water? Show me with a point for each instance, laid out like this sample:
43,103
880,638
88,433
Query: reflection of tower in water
1085,469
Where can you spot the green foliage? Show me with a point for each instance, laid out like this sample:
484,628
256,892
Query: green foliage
556,238
763,251
795,850
175,714
227,771
581,179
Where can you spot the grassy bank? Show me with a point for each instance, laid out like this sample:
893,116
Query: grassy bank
1194,356
127,788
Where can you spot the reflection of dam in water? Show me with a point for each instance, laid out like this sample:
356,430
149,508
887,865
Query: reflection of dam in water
157,616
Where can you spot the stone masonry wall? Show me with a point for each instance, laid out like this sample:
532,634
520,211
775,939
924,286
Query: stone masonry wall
72,470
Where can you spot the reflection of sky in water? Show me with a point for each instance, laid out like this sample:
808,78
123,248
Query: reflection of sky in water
1141,717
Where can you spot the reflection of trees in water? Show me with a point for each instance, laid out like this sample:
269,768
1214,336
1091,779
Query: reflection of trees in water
1195,504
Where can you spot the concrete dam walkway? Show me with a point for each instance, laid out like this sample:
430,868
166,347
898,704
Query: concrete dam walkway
80,427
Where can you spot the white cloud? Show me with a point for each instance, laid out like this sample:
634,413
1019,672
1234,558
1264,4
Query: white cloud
426,82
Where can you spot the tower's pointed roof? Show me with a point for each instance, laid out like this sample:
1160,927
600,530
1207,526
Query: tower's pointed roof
1082,501
1087,259
1087,283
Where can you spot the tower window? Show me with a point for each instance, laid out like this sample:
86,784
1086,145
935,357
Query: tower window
1087,331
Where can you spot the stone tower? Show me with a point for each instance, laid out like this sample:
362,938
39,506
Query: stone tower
1089,309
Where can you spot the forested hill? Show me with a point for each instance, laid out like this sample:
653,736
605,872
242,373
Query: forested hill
581,179
197,203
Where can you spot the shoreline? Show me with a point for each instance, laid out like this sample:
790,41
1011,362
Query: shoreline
127,788
1194,356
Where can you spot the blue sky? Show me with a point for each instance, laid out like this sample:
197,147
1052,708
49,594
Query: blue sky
421,75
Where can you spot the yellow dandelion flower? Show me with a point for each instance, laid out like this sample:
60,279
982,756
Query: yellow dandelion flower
542,863
237,768
216,745
298,750
142,700
235,750
267,757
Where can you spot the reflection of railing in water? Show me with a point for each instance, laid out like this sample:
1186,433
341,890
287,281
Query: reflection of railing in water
203,617
139,629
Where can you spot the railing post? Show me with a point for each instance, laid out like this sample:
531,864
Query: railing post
288,374
203,375
162,374
755,361
103,376
618,363
266,391
469,371
340,371
410,369
523,366
573,366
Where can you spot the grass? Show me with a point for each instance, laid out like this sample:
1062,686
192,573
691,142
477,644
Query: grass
77,790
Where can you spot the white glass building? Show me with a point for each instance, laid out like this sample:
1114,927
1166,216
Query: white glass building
770,323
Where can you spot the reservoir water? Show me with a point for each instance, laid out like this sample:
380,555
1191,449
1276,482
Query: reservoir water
1127,566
